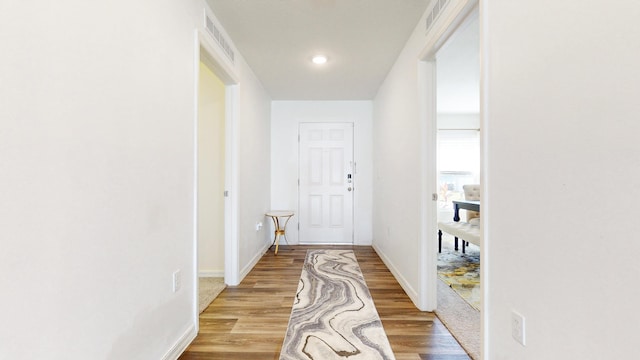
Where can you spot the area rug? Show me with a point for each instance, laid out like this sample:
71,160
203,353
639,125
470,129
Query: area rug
462,320
461,271
333,314
208,289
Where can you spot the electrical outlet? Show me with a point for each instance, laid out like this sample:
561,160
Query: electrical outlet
177,281
518,327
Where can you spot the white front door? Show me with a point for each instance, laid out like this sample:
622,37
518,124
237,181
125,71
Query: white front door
326,183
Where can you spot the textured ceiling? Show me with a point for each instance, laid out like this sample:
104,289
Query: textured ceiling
361,38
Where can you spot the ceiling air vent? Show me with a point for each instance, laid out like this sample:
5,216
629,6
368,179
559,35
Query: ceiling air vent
438,6
219,38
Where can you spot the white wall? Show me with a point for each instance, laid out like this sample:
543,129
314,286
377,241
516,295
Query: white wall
254,166
562,168
397,136
285,119
97,185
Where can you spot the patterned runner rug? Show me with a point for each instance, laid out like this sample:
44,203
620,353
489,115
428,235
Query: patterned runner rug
333,315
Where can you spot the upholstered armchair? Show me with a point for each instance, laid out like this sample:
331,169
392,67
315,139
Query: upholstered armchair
472,192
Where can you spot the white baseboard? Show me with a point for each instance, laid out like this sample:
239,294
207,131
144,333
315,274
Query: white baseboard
245,270
406,286
363,243
181,345
211,273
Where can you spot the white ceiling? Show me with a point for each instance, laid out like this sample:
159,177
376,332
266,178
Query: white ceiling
361,38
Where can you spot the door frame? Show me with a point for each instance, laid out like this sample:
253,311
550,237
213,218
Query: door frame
212,56
446,25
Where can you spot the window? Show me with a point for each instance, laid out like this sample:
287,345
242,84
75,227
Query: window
458,164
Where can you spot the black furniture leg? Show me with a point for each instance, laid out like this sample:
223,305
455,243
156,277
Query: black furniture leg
439,241
456,242
456,212
463,246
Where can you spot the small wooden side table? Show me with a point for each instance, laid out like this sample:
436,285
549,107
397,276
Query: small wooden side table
277,216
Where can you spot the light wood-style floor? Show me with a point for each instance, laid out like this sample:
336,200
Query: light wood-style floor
249,321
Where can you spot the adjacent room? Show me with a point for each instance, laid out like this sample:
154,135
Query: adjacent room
458,163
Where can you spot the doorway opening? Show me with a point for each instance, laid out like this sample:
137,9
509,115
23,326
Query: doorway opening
211,185
458,152
458,172
215,174
450,115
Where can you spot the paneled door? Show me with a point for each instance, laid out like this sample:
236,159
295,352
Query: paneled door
326,183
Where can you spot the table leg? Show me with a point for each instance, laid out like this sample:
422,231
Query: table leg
276,233
456,212
284,228
279,231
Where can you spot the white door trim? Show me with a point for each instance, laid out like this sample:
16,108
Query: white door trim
427,296
214,59
450,20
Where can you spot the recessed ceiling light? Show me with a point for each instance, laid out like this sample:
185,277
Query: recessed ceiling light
319,59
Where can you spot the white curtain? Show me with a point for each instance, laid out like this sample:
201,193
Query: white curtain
459,151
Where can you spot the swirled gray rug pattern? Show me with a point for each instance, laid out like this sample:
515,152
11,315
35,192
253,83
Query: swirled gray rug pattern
333,315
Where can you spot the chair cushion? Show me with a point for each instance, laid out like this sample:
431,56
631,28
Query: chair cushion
462,230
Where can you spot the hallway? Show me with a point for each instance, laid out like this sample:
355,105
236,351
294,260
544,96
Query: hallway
249,321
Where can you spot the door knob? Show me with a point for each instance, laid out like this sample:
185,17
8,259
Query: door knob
349,188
